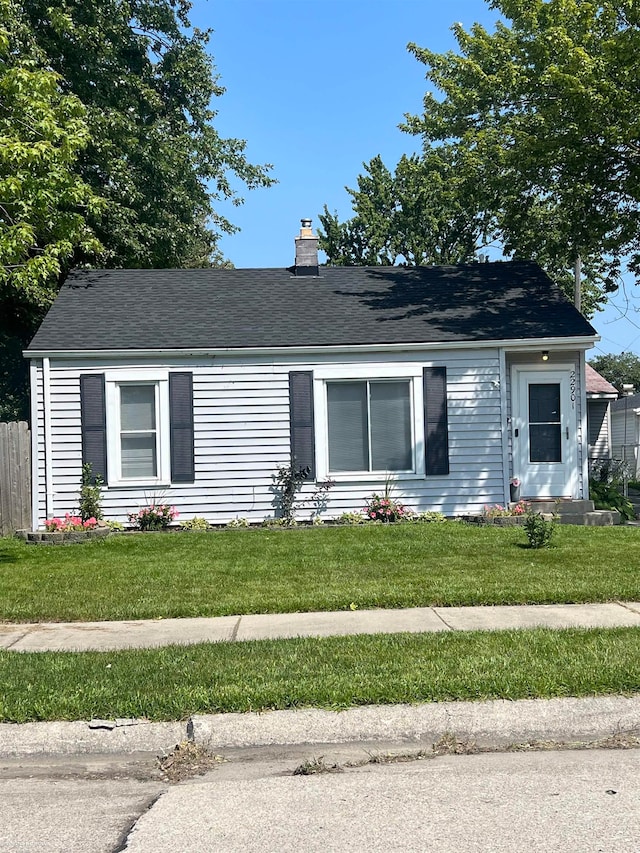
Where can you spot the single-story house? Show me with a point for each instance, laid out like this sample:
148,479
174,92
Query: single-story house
625,432
194,386
600,396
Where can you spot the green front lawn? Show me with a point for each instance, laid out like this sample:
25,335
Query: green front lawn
334,672
274,571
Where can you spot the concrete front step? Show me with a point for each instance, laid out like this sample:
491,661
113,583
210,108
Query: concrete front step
595,518
576,512
560,507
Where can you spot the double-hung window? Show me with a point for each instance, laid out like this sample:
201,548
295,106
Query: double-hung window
137,429
138,438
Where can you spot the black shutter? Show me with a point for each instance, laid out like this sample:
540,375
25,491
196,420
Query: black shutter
93,416
301,420
436,431
181,432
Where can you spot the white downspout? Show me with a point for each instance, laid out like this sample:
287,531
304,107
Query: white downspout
584,436
46,411
35,484
505,425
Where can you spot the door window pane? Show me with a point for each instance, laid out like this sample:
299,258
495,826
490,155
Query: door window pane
348,426
544,403
390,408
545,429
545,443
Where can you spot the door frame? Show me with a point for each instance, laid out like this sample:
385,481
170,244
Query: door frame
566,374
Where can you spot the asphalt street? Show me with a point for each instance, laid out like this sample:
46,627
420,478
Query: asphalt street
579,800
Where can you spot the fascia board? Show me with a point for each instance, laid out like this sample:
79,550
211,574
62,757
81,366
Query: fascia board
579,343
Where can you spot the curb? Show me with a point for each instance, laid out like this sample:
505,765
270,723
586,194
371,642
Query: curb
495,723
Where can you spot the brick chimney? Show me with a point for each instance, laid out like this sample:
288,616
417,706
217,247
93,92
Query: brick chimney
306,250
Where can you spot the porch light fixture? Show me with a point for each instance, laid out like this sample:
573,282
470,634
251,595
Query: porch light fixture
545,355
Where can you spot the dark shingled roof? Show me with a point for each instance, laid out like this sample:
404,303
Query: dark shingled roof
628,403
192,309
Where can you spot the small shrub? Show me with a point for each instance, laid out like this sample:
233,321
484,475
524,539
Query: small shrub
153,517
608,496
499,511
194,523
539,530
635,485
288,481
114,525
385,509
237,522
279,522
351,518
90,504
429,517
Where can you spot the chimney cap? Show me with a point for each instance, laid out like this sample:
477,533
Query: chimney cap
306,222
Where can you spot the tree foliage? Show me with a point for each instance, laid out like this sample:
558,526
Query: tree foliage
619,370
549,107
428,211
147,83
530,138
108,153
44,203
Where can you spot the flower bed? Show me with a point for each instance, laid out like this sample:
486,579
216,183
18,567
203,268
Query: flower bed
59,537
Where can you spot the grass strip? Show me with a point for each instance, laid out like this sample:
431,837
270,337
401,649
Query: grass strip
277,571
336,672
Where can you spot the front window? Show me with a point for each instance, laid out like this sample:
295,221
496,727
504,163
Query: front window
369,426
137,427
138,432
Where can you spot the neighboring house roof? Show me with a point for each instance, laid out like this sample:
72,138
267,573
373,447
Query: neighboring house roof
342,306
628,403
597,385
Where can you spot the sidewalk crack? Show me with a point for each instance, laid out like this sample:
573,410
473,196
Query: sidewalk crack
628,607
236,628
442,619
17,640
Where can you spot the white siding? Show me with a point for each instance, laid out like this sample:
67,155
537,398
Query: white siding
241,422
598,425
625,438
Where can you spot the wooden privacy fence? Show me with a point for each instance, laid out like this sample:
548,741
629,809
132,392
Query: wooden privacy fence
15,477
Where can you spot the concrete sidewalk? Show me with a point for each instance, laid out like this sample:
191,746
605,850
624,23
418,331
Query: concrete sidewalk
108,636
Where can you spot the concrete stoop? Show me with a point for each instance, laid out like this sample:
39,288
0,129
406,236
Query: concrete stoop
580,512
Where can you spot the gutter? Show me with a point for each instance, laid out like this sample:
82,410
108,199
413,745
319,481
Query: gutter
517,345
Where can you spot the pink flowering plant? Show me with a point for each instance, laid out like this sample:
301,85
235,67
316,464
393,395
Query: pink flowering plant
69,523
499,511
153,517
385,509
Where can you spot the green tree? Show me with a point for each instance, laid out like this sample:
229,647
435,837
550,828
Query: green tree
619,370
548,105
429,211
147,83
44,204
108,154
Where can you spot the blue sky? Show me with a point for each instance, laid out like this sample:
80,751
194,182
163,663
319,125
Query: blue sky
319,87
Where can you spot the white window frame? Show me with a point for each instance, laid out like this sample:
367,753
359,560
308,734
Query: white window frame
399,373
113,382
